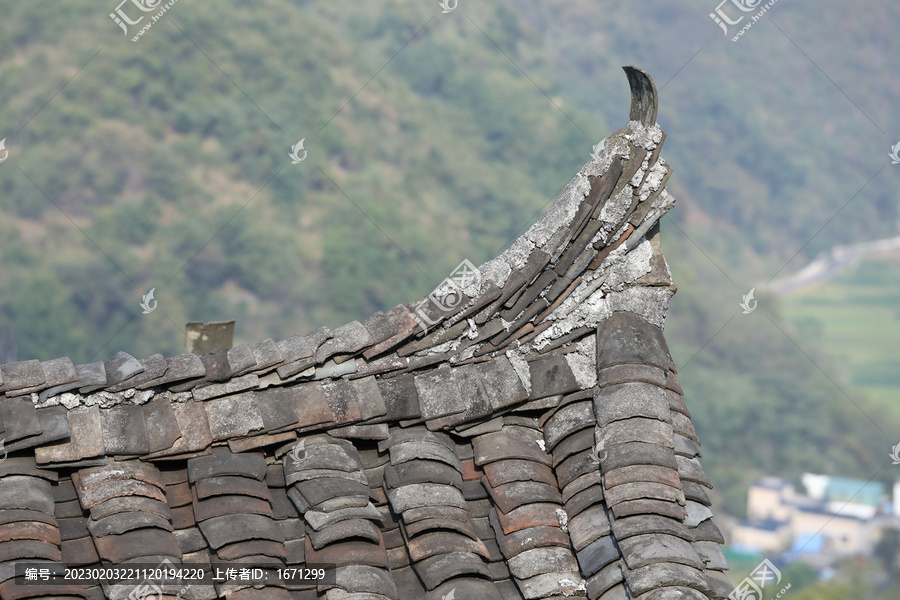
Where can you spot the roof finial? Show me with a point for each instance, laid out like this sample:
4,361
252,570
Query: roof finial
644,101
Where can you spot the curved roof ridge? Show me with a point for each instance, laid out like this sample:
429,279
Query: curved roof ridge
520,432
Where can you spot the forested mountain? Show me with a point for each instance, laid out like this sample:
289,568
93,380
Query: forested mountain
432,138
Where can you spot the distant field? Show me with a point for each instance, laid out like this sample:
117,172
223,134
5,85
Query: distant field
856,317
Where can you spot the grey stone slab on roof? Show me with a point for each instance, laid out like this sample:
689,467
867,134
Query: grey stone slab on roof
368,397
423,471
400,398
222,462
296,347
321,490
424,450
635,473
696,513
92,374
25,465
27,493
435,570
54,427
573,444
604,579
550,376
153,366
124,430
588,526
380,328
597,555
130,504
689,469
498,473
138,544
178,368
642,550
629,400
267,354
377,431
120,367
230,529
23,374
240,359
661,575
439,393
518,493
566,421
161,424
19,418
86,438
126,521
637,429
646,524
194,428
637,453
362,579
510,443
501,383
626,338
707,531
419,495
643,489
233,416
542,560
347,339
578,503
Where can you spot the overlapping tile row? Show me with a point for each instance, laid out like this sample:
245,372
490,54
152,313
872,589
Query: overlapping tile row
569,437
647,453
130,522
527,514
231,505
29,531
424,487
327,484
532,443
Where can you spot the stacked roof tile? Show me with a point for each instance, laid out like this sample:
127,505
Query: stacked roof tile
532,443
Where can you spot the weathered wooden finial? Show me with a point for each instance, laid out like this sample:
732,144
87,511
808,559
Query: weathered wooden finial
644,100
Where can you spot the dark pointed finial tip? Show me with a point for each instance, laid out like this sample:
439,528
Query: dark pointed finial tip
644,100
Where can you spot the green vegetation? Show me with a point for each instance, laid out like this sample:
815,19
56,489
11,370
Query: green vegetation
163,164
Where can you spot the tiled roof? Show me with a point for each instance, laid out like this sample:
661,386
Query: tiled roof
533,443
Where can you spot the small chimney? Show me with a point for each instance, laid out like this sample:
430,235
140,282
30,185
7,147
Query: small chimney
203,338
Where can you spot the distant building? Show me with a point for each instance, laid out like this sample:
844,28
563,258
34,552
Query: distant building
837,515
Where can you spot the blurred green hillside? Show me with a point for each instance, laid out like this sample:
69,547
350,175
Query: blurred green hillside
431,138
